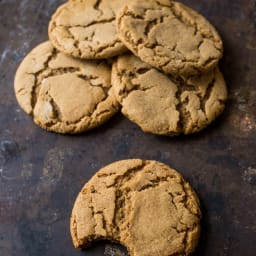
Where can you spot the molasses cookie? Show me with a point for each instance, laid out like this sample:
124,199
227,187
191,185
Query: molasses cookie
144,205
164,104
64,94
87,29
169,36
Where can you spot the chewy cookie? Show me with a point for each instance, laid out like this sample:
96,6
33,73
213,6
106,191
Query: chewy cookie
144,205
163,104
64,94
86,29
169,36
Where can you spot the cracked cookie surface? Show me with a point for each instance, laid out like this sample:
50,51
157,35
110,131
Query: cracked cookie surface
163,104
86,29
169,36
64,94
144,205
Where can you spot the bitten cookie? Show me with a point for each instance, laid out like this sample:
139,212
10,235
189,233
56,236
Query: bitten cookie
64,94
163,104
144,205
86,29
169,36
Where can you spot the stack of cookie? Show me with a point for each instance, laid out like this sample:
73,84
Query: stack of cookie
157,60
168,83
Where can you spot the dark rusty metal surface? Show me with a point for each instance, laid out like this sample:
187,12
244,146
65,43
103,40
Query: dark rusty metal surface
41,173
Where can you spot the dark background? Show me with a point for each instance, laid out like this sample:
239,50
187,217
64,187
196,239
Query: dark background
41,172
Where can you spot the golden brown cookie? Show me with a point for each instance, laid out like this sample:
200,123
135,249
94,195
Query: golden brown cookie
64,94
169,36
144,205
163,104
86,29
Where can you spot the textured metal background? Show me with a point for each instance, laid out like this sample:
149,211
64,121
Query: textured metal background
41,173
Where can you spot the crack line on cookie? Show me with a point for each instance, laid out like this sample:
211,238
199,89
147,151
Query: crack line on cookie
96,6
121,197
184,187
97,22
180,108
37,83
91,207
56,112
172,200
207,95
155,183
197,214
131,76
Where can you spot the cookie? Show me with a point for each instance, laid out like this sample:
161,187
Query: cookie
164,104
144,205
169,36
86,29
64,94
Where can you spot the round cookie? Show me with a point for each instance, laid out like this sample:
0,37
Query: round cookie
144,205
64,94
163,104
86,29
169,36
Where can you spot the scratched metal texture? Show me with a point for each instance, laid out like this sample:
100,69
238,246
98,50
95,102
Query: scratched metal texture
41,172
